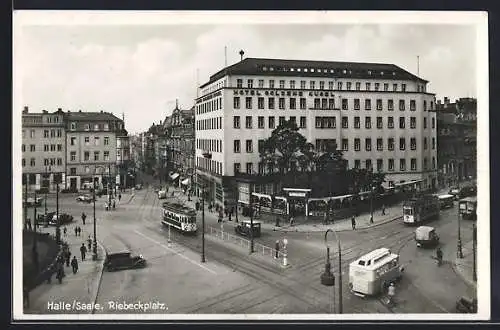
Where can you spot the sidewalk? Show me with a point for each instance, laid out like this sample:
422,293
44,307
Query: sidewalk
465,267
78,289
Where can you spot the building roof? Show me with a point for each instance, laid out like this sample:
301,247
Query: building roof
281,67
91,116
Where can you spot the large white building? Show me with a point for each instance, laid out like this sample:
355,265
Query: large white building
380,115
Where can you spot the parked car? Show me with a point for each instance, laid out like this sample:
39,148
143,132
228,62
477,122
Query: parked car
454,191
30,202
85,198
64,218
162,194
467,191
44,220
243,228
123,260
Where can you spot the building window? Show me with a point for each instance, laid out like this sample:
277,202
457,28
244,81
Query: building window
390,122
239,83
433,162
391,164
32,162
302,122
46,133
96,127
357,144
402,165
390,105
260,103
281,120
302,103
386,87
59,132
261,83
339,85
249,147
368,104
236,102
321,85
403,87
345,123
425,164
433,143
46,147
106,127
292,84
344,104
293,103
23,162
379,123
356,104
402,105
324,103
281,103
380,144
368,122
357,164
106,155
236,121
271,103
394,87
413,105
282,84
96,155
413,143
425,122
330,85
106,140
73,156
45,162
357,122
331,104
317,104
237,168
271,83
23,148
368,144
236,146
32,134
379,104
96,140
260,145
390,144
377,86
86,155
73,140
367,85
87,140
413,122
249,168
250,83
248,122
402,144
413,164
358,86
433,122
348,85
368,164
271,122
32,147
72,171
345,145
312,84
59,161
52,147
302,84
380,165
248,103
260,121
401,122
425,143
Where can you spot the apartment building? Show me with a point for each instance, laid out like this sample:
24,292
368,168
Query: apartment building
380,115
43,149
91,149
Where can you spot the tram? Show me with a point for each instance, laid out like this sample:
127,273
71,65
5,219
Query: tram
180,217
418,210
468,207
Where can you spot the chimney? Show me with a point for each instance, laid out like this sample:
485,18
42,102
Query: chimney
446,100
45,111
25,110
79,110
59,109
101,111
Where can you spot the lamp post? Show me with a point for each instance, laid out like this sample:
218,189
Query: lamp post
26,201
371,203
35,245
46,174
474,243
203,223
459,238
328,278
251,221
94,247
58,227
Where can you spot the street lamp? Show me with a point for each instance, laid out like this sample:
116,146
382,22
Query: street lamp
35,246
371,203
94,250
58,225
251,221
46,176
203,223
460,253
328,278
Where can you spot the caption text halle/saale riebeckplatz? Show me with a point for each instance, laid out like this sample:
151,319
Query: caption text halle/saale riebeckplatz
76,305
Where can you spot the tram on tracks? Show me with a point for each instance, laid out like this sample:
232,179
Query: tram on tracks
420,209
180,217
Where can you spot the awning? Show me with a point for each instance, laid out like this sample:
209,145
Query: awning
185,182
174,176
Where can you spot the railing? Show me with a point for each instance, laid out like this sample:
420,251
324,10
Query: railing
245,243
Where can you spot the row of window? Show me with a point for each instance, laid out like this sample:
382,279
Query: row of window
209,106
46,133
97,127
322,103
321,85
209,165
209,123
46,161
321,144
97,170
209,145
271,121
86,155
97,140
46,147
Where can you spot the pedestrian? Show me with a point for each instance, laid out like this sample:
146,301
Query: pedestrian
197,204
68,257
325,219
74,264
89,243
83,250
291,221
439,256
84,216
353,223
76,230
119,197
391,292
277,248
114,204
371,218
79,231
277,220
383,209
229,216
29,225
60,273
65,231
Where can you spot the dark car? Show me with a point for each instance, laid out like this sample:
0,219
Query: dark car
44,220
123,260
467,191
64,218
243,228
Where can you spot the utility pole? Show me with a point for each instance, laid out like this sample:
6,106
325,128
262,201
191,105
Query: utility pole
203,224
251,221
459,239
94,252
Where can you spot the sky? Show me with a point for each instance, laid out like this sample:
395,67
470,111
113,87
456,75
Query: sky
140,70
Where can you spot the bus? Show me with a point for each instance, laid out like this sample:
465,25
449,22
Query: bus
179,216
372,273
446,201
467,207
418,210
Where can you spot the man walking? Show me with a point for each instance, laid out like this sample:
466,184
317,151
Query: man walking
89,243
83,250
383,209
84,216
76,230
353,223
79,231
65,231
74,264
68,257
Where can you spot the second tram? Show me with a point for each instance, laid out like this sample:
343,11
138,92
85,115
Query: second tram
180,217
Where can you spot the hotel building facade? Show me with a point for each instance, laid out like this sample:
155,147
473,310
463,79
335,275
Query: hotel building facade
379,115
